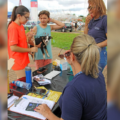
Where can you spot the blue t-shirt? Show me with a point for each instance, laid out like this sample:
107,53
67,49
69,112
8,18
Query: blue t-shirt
113,113
43,32
98,29
84,98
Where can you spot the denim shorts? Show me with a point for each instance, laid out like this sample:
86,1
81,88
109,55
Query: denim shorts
103,58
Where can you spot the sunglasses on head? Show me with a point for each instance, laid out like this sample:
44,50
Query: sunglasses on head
64,55
90,7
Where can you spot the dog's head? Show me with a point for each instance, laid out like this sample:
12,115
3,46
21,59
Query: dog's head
46,39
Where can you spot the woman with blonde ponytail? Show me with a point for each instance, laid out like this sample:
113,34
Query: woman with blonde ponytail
87,54
83,98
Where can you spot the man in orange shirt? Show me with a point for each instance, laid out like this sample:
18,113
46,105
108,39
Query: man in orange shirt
17,41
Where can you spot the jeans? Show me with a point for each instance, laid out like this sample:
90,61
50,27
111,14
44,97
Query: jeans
103,59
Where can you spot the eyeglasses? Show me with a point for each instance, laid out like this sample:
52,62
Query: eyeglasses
27,18
90,7
64,55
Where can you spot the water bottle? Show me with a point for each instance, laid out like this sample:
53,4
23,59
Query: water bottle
22,84
28,73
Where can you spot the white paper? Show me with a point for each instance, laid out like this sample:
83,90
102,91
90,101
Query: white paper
20,108
64,64
41,80
52,74
11,100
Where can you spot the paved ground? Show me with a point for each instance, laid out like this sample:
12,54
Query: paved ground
55,51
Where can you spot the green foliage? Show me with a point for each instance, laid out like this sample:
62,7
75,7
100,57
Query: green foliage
83,19
27,30
62,40
81,16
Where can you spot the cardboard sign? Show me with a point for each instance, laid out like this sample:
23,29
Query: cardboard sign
10,63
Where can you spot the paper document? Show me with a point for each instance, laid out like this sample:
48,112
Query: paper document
11,100
41,80
52,95
52,74
23,104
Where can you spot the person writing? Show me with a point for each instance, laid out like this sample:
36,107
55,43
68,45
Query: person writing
85,96
17,40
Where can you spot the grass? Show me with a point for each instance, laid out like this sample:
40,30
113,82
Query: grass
27,30
62,40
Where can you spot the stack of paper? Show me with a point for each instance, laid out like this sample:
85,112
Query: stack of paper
21,107
52,74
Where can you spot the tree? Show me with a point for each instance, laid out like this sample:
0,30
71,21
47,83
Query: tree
81,16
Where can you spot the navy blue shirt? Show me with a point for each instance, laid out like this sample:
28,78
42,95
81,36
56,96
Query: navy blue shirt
98,29
113,113
84,98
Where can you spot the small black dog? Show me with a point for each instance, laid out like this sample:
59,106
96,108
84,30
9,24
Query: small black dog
44,40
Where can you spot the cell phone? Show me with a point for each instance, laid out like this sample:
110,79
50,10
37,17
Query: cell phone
31,106
10,94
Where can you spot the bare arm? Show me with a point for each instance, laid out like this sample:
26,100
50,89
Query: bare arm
86,29
58,24
53,117
88,18
15,48
46,112
102,44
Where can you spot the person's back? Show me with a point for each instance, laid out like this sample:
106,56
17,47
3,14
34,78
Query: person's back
87,95
83,98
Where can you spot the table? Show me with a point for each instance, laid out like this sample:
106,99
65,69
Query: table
57,84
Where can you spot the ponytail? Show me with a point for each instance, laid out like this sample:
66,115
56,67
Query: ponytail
87,54
13,16
18,10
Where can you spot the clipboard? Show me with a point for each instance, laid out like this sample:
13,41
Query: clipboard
21,110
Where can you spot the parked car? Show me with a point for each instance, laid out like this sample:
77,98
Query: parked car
30,24
81,23
67,27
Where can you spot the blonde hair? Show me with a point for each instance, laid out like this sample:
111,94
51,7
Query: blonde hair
100,4
87,54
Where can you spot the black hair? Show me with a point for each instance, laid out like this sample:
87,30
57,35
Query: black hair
18,10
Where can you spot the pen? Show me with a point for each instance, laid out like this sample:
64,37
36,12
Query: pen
17,101
46,94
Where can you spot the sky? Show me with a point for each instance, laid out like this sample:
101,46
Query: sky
77,7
